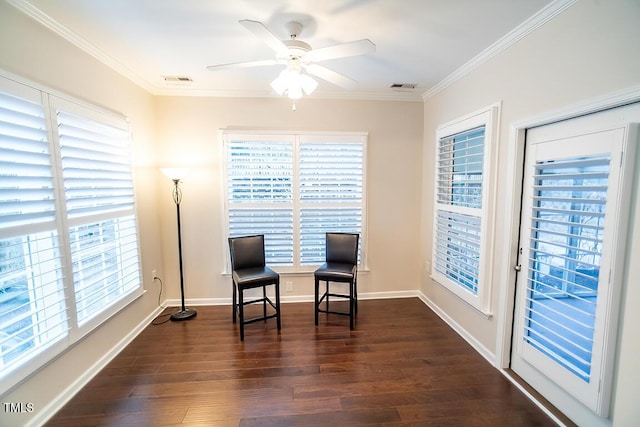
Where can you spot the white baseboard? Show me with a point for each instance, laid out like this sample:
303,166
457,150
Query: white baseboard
484,351
66,395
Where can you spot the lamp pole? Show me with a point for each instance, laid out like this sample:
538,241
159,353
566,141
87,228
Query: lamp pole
184,313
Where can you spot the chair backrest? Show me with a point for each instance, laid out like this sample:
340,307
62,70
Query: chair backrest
246,252
342,247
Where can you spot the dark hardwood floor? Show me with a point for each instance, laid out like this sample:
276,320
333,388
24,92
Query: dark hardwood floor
401,366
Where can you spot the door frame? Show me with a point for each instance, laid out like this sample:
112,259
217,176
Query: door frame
514,167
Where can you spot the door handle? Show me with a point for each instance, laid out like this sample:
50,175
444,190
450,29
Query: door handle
517,267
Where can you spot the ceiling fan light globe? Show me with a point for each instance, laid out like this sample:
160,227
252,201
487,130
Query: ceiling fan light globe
280,84
294,91
308,84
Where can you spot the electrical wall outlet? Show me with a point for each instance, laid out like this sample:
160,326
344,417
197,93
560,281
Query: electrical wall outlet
289,287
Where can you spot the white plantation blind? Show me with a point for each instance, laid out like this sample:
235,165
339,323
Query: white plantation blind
99,197
461,230
33,308
331,171
566,238
457,249
27,194
275,223
96,165
33,314
460,169
293,189
458,254
66,263
259,171
331,194
260,194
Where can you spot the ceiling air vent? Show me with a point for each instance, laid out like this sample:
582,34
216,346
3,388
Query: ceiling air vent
403,87
177,80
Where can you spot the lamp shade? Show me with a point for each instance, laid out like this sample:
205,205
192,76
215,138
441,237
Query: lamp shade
175,174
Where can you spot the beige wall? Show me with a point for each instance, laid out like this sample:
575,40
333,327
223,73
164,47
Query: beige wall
32,52
188,131
590,50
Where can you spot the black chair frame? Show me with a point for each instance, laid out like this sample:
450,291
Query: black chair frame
341,267
249,271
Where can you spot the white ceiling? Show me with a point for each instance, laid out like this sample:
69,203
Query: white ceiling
417,41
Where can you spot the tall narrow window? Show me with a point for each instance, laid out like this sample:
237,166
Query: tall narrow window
294,188
32,301
98,188
331,194
260,194
463,171
68,240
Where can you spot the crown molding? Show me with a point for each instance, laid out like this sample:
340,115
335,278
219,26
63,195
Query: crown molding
545,15
33,12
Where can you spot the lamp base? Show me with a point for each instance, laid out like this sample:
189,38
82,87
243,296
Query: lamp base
184,314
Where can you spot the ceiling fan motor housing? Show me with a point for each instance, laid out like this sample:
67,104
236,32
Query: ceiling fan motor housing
296,49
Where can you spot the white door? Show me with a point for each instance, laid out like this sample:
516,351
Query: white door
574,213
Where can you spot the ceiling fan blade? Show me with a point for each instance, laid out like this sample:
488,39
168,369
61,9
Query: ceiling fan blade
331,76
248,64
262,32
358,47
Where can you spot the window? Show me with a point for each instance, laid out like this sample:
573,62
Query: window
461,215
98,188
566,240
293,188
68,241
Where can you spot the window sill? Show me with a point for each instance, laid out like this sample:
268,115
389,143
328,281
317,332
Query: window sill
484,313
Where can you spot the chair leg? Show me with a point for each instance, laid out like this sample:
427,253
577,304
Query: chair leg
278,304
317,292
351,305
234,307
355,294
241,309
327,292
264,303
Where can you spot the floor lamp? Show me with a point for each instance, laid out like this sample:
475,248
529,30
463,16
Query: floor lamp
176,175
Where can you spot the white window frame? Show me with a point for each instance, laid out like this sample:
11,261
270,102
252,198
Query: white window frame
489,118
296,139
43,353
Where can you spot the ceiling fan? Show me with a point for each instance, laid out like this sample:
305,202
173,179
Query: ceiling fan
298,56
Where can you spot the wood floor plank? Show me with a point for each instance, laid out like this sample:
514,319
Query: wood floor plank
402,366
